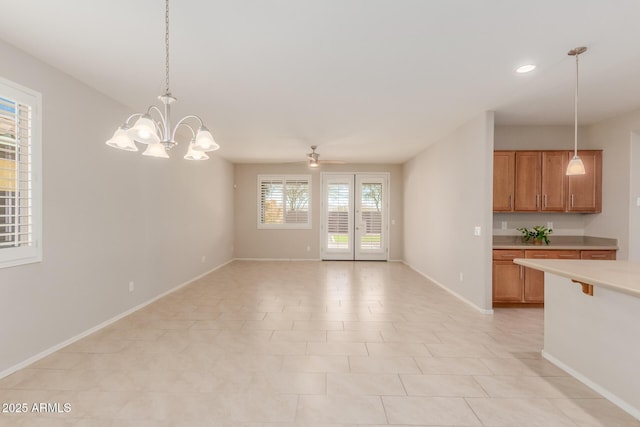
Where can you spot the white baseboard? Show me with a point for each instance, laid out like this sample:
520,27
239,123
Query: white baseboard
277,259
622,404
102,325
455,294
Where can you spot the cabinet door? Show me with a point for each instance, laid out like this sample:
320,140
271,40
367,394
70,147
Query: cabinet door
585,191
503,179
533,285
507,281
534,279
554,168
527,181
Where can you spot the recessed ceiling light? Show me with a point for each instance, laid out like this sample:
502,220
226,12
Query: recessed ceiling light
525,68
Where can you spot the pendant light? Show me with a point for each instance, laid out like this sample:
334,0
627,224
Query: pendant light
576,167
159,135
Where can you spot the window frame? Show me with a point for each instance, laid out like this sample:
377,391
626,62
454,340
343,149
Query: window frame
284,178
20,255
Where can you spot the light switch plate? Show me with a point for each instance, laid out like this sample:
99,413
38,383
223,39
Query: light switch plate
476,230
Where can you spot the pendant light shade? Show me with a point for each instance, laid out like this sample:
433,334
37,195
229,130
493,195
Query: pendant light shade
194,153
144,131
156,150
205,141
157,131
122,140
575,166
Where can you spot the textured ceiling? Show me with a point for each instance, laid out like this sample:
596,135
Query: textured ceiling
365,80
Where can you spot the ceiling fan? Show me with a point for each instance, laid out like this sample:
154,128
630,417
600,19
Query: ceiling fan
314,159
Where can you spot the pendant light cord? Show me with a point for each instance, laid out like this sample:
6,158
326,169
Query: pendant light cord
575,146
166,47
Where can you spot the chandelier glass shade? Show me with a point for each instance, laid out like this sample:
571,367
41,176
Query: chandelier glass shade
154,127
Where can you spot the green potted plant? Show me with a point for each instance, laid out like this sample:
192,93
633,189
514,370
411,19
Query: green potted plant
536,235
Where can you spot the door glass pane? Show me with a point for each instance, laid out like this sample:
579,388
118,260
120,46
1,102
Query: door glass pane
338,216
371,216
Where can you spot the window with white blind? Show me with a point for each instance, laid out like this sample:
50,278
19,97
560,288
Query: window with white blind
20,166
284,201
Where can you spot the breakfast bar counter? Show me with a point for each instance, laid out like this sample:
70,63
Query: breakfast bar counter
592,324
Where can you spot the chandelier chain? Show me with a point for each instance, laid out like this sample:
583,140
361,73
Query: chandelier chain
166,47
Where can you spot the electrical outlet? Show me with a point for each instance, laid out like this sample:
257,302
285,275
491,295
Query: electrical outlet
550,225
308,248
461,275
476,231
132,286
503,225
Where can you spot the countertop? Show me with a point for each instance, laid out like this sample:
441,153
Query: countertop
621,276
557,242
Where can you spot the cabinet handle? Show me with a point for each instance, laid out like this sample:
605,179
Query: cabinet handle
521,269
539,256
537,200
568,256
571,199
598,256
510,202
544,201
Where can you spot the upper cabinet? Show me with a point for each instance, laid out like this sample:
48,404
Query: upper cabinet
503,176
585,191
527,181
535,181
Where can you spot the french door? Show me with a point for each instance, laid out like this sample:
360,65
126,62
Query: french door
354,216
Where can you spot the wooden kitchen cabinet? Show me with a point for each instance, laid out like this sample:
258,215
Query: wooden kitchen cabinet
517,285
503,180
553,188
536,181
507,276
604,255
507,281
534,279
585,191
528,172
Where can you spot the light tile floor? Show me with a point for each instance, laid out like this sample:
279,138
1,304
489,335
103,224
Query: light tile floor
310,344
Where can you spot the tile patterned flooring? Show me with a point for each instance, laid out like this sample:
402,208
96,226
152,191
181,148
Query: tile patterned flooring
310,344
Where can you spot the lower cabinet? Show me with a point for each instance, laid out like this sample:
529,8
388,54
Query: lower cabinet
517,285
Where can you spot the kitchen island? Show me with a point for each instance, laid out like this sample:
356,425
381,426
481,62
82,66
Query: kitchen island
592,324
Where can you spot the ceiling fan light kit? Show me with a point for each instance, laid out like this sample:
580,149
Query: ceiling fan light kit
575,166
159,135
313,157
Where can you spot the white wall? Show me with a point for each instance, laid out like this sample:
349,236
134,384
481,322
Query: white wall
251,242
634,191
109,217
448,191
614,136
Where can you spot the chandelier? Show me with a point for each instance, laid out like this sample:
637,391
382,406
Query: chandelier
154,128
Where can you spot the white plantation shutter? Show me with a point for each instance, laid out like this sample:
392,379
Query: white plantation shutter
371,213
284,201
338,206
20,195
